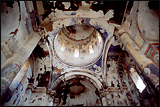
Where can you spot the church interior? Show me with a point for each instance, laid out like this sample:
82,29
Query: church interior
79,53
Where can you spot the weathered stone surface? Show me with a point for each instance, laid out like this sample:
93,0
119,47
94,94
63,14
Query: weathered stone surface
47,80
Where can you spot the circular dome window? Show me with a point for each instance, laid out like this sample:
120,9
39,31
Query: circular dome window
78,45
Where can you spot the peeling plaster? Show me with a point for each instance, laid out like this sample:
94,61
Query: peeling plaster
9,21
148,17
66,5
41,65
132,16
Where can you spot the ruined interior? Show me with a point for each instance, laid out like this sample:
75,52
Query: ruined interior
80,53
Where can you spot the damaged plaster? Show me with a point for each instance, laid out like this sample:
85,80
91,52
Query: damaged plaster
105,81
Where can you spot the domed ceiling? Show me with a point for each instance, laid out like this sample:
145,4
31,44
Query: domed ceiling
79,53
74,44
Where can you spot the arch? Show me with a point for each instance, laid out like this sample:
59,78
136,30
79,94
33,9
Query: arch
107,45
84,73
69,21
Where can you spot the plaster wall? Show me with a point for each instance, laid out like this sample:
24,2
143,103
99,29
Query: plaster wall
15,27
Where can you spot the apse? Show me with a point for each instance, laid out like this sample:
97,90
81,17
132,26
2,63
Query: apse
77,91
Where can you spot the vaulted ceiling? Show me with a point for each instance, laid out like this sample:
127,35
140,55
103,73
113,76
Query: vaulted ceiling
78,46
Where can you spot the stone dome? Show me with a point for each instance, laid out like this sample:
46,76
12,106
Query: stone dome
74,44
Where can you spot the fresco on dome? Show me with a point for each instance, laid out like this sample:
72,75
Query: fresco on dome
69,49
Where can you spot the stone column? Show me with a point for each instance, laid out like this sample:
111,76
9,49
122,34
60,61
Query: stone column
153,76
12,66
103,98
56,102
104,101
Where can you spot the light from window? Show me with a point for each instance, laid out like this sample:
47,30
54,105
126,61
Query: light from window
91,49
63,47
99,37
76,53
137,80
